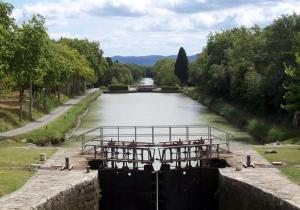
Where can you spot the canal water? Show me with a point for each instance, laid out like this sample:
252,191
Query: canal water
148,109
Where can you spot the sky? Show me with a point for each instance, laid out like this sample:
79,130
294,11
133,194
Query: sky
149,27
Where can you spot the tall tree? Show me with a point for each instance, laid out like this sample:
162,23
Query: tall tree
7,27
33,40
182,67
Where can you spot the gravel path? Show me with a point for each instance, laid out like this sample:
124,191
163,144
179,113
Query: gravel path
47,118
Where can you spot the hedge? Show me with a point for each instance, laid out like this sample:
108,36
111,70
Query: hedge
118,87
169,88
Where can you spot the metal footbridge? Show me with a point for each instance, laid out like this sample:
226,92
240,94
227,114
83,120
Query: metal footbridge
139,146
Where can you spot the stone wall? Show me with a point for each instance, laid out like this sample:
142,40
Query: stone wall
238,195
56,190
81,196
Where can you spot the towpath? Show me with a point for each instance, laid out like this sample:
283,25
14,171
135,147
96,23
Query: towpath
48,117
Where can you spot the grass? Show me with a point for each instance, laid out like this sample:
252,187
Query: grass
9,115
16,157
15,162
55,131
9,110
290,155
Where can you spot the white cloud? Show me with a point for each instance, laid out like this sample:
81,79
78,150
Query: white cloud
123,26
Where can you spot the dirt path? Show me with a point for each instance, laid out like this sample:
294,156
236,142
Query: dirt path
47,118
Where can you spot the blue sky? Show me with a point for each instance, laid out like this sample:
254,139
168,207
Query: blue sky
147,27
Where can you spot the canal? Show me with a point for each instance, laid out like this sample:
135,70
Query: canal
152,109
193,188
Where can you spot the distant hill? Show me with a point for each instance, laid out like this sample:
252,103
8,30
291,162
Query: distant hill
148,60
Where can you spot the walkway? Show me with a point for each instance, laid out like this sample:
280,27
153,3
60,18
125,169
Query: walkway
48,117
268,179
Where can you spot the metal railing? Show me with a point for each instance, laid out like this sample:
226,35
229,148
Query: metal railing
153,134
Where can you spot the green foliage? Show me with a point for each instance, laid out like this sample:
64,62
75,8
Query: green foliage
182,66
125,73
163,73
258,129
7,37
276,134
253,67
292,86
169,88
118,87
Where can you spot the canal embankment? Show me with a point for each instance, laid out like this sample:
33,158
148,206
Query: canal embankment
54,131
262,129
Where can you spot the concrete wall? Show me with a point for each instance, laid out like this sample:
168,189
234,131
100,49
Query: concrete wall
238,195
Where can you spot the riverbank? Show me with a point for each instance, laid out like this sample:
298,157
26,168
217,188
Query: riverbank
17,155
263,130
54,132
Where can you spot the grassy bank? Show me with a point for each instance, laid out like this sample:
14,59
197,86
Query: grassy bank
289,155
55,131
262,129
15,162
10,105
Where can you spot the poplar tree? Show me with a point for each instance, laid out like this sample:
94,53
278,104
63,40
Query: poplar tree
181,67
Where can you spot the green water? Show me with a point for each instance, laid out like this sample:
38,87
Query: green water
152,109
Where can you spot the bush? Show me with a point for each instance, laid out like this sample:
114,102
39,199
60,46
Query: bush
169,88
258,129
118,87
276,134
232,114
103,88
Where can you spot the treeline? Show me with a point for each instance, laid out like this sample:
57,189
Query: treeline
30,60
255,68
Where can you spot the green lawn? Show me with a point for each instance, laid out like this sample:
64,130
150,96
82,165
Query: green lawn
15,163
290,155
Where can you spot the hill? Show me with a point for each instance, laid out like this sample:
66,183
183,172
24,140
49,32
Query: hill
148,60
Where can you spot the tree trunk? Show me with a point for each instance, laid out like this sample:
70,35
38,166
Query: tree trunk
44,101
30,98
296,119
69,88
84,86
21,104
58,94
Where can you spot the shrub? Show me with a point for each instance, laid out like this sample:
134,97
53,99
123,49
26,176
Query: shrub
258,129
276,134
103,88
118,87
169,88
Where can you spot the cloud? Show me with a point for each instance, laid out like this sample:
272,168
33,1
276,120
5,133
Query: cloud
123,26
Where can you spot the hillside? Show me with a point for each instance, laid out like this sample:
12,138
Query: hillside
145,60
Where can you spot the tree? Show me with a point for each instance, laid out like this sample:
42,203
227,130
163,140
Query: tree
163,72
182,67
292,87
7,41
33,39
